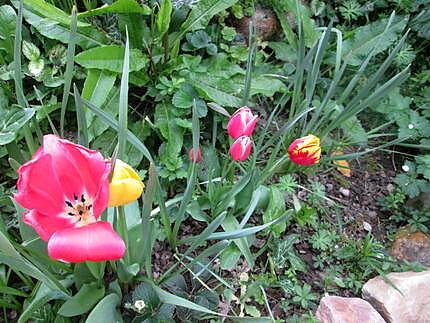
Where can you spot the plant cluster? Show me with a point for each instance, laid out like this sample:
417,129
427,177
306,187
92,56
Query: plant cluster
150,154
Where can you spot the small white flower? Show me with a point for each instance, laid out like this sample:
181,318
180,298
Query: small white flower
139,304
405,168
411,126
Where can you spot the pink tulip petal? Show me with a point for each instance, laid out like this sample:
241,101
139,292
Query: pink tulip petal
80,170
93,242
38,187
250,126
46,225
235,127
241,148
241,123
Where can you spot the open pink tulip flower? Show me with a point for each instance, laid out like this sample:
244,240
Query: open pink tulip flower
242,123
65,188
241,148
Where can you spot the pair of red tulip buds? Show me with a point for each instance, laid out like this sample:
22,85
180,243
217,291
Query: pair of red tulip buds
240,127
303,151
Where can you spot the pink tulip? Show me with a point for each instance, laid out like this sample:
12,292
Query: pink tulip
241,148
242,123
65,187
198,157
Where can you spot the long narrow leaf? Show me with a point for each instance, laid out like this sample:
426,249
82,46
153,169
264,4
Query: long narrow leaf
109,120
123,101
147,224
81,118
68,75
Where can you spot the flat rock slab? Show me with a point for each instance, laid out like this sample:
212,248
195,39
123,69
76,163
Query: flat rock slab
412,246
412,305
334,309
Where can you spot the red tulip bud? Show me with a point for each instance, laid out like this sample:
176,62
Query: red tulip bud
242,123
241,148
198,157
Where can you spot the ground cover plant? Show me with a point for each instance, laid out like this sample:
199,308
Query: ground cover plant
207,160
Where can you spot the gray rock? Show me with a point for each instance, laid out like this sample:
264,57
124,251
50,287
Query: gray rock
334,309
409,304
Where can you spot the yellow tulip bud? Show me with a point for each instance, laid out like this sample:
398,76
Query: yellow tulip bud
125,186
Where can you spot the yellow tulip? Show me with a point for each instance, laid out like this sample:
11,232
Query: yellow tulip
126,186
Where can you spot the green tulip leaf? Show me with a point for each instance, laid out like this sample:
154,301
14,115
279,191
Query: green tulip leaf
83,301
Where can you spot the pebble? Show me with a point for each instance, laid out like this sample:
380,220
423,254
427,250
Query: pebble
345,192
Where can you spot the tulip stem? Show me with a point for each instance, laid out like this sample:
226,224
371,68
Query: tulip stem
267,173
122,230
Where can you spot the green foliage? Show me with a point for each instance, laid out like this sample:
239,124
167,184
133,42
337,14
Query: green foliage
285,256
304,296
198,218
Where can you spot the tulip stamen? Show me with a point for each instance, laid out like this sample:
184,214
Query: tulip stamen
80,209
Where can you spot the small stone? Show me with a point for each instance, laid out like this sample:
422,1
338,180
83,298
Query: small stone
334,309
329,187
372,214
367,226
390,188
412,246
409,303
345,192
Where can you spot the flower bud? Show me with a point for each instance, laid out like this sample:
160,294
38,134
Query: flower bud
198,156
242,123
305,151
241,148
125,186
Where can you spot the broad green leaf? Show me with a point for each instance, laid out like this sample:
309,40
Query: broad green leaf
110,57
97,87
231,224
163,17
266,86
229,257
202,12
119,6
54,23
7,29
105,311
43,295
211,93
12,122
83,301
275,209
164,120
30,50
364,39
169,298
